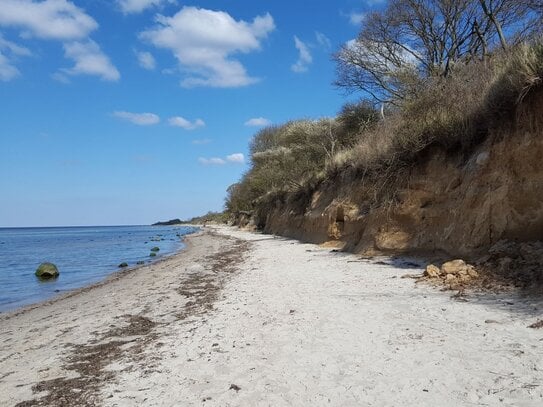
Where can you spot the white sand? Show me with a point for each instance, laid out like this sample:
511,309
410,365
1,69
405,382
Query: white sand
295,325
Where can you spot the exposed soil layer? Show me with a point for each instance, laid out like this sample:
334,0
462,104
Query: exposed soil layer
447,205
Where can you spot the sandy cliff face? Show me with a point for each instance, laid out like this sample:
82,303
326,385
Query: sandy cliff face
448,203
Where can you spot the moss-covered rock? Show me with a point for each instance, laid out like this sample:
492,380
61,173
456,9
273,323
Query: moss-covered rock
46,271
155,249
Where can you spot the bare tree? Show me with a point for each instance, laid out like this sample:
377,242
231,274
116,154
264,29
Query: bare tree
490,13
415,39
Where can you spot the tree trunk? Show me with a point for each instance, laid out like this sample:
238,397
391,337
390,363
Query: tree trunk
495,22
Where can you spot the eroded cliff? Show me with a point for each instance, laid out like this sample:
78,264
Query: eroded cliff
449,203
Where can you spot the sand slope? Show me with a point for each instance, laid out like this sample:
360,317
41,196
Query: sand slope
245,319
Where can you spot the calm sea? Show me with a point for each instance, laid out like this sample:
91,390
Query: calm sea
83,255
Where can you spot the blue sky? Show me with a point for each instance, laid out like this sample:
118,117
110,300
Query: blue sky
132,111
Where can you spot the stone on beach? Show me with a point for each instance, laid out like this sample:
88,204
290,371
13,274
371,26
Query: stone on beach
432,271
454,267
47,270
453,272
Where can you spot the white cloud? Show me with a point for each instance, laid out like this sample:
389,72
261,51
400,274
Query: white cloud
258,122
236,158
9,52
14,48
170,71
201,141
211,161
8,71
304,58
141,119
372,52
61,77
323,40
137,6
63,21
146,60
90,60
179,121
356,18
51,19
203,41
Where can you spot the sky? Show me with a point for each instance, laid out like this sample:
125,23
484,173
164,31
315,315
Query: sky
118,112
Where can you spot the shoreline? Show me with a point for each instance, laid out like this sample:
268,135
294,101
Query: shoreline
242,319
67,326
113,275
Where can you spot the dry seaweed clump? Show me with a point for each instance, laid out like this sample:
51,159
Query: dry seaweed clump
516,264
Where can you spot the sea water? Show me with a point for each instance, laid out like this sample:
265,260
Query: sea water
83,255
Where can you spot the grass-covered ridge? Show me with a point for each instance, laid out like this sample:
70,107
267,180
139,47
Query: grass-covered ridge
454,113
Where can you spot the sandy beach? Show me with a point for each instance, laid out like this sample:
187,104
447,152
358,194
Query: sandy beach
245,319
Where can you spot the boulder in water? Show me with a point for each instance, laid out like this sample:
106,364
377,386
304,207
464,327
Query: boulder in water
152,254
46,271
123,265
155,249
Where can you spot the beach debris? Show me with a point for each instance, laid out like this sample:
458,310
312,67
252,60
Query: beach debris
140,262
537,325
235,387
460,296
411,275
123,265
155,249
46,271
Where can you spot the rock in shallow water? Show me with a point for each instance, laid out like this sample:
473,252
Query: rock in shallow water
46,271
